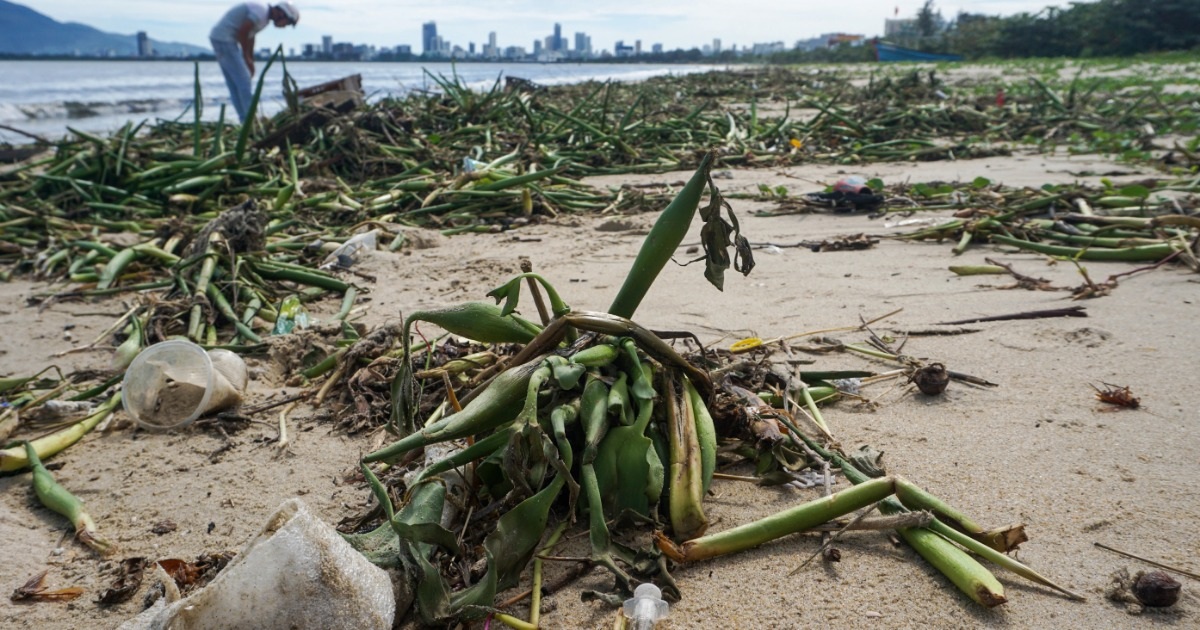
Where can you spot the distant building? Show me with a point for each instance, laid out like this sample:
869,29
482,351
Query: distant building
559,43
490,50
906,27
583,45
404,50
767,48
621,50
144,47
830,40
657,49
716,46
637,48
429,38
327,44
309,51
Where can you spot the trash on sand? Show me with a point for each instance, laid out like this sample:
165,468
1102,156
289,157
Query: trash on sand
172,383
347,253
647,607
291,315
297,573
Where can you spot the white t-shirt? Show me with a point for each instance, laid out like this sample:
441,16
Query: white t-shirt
226,29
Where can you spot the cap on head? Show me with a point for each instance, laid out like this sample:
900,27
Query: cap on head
290,11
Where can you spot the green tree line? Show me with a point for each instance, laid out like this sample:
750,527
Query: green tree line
1106,28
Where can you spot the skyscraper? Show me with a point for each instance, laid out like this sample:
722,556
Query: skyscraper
557,43
429,44
144,48
327,45
583,45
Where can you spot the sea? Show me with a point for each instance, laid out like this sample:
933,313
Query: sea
47,98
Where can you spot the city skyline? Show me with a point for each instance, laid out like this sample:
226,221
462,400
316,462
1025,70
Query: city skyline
674,24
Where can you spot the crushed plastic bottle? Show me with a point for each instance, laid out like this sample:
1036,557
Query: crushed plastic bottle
646,608
347,253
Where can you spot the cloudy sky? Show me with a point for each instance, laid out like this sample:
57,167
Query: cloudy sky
673,23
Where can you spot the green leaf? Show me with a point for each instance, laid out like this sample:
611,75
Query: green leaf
981,182
510,293
875,184
1134,190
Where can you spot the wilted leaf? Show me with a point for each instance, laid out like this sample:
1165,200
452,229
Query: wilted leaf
35,590
127,583
869,461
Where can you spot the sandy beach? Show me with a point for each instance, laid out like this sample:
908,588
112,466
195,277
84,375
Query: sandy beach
1038,448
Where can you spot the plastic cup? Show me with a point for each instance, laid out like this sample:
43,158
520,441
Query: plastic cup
170,384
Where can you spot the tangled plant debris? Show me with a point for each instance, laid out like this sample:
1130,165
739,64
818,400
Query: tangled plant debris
520,431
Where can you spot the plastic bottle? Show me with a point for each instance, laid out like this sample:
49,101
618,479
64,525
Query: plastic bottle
291,315
647,607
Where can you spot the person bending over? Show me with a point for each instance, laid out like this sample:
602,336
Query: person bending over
233,42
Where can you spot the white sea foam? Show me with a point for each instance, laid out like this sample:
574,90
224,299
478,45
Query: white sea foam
46,97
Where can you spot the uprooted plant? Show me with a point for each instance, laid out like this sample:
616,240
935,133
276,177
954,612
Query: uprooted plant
593,416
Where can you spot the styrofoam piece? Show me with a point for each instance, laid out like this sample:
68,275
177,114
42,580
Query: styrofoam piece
297,572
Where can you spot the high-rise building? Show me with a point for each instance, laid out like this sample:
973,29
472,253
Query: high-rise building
558,43
491,50
656,49
327,44
583,45
716,45
637,48
144,47
429,37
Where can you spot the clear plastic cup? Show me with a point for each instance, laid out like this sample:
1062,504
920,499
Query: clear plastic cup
170,384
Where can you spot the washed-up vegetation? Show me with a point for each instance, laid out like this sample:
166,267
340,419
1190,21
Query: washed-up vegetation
521,427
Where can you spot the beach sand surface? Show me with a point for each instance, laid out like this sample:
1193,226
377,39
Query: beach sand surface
1038,449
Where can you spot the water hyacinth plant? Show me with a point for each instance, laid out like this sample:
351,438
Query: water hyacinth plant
591,417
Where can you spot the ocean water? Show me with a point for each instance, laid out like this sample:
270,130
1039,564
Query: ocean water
47,97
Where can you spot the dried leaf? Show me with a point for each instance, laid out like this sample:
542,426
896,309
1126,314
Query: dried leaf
35,590
126,584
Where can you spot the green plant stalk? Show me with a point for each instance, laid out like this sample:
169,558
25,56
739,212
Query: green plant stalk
664,238
57,498
685,476
790,521
16,458
116,265
535,595
248,124
206,272
706,435
998,558
959,567
1144,253
498,404
977,270
197,110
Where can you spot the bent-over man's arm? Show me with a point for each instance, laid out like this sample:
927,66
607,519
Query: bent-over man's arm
245,39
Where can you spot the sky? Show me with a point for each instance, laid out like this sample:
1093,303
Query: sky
673,23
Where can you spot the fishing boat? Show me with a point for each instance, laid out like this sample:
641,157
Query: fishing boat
891,52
